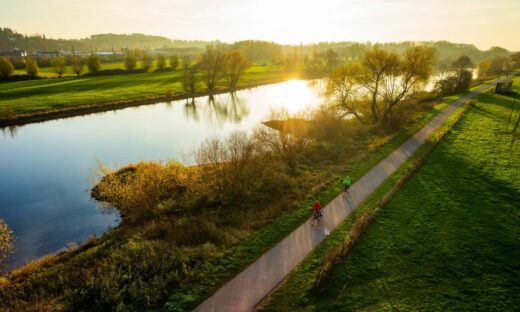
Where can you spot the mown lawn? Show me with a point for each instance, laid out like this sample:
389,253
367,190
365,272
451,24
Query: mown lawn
56,93
448,240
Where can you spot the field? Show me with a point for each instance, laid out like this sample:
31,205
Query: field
448,239
28,97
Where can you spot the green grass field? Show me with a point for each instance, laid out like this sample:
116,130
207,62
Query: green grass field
27,97
448,240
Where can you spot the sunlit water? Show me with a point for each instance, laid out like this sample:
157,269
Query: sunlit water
46,168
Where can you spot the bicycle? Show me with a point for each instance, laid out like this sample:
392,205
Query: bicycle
316,218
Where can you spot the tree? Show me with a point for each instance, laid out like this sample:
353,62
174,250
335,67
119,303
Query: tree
146,60
190,78
93,63
462,77
31,67
499,65
385,77
6,68
6,243
331,58
483,67
454,83
210,66
161,62
59,65
414,68
515,60
130,61
325,62
377,65
174,61
76,65
234,66
462,63
343,88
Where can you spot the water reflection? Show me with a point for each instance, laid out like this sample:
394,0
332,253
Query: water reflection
9,131
217,111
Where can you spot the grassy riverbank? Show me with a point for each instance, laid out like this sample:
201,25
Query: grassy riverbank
50,96
448,240
149,265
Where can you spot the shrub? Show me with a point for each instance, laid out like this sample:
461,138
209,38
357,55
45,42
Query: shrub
93,63
161,62
76,65
31,67
6,68
174,62
59,64
140,191
146,61
130,61
6,244
456,83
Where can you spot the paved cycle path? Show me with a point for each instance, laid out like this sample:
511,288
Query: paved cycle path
249,287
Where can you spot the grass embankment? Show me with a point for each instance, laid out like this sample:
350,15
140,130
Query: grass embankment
177,260
58,97
447,240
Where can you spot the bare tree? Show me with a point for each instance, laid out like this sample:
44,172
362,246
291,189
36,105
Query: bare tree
280,142
414,69
343,88
76,65
234,66
130,61
190,77
161,62
146,60
377,64
210,65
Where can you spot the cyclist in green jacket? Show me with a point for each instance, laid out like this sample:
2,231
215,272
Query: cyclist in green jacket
347,182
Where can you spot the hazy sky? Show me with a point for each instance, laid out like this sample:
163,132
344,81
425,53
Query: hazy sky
484,23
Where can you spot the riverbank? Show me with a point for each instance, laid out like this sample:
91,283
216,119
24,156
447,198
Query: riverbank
220,243
47,99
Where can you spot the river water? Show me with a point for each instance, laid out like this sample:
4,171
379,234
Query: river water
46,169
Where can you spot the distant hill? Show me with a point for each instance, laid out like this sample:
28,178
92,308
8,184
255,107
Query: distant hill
10,39
256,50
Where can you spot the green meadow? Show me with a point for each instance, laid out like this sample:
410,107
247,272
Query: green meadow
26,97
446,241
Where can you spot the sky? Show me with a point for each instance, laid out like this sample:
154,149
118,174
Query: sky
484,23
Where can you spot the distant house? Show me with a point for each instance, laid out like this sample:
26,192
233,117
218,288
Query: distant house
47,53
108,53
14,53
504,86
105,53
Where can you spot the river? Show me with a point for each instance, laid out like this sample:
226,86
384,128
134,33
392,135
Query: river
46,169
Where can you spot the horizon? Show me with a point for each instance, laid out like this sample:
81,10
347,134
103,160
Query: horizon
208,21
251,39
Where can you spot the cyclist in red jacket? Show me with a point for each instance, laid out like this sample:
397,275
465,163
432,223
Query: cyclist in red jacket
317,211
